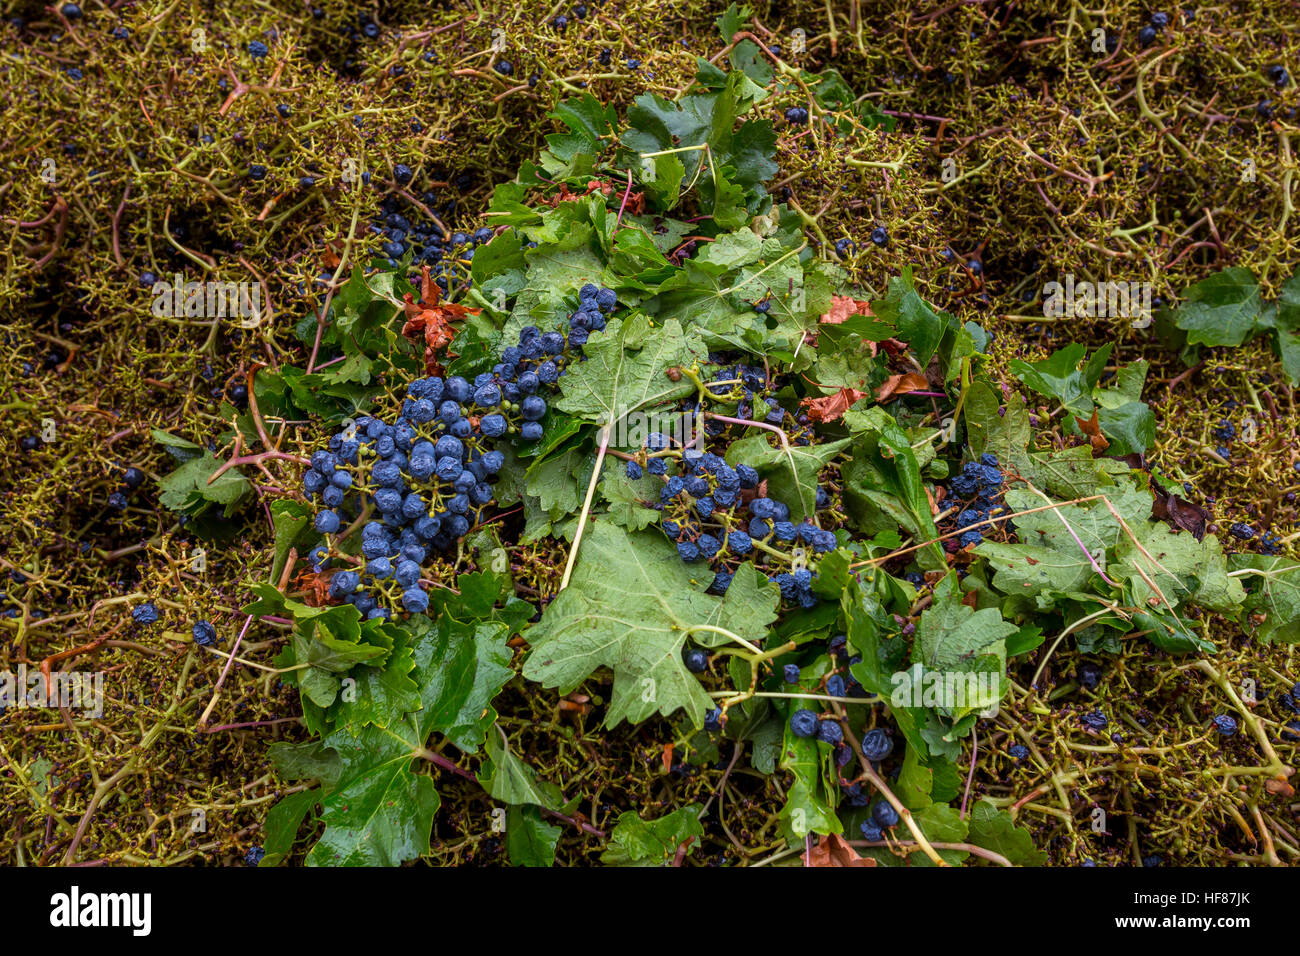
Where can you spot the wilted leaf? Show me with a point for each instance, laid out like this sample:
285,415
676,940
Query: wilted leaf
833,850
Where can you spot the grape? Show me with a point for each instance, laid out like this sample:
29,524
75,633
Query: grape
803,723
876,745
871,831
884,814
145,613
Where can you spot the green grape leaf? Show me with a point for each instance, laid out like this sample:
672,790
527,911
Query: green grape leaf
629,607
1274,594
530,840
509,779
637,842
283,821
964,647
1222,309
994,829
627,370
791,473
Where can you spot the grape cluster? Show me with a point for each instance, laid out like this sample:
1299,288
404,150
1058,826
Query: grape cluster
540,358
982,481
753,393
425,479
408,230
712,512
748,387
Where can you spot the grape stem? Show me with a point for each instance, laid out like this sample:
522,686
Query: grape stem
586,508
793,696
869,772
785,443
714,629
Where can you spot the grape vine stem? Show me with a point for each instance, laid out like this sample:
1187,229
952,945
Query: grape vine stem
586,508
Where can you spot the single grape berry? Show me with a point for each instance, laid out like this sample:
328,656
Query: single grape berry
697,660
145,613
1095,719
876,744
254,856
830,732
204,633
884,814
803,723
791,673
1225,725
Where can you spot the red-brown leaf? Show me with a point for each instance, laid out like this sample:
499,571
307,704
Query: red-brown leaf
432,321
900,385
832,406
1092,429
834,850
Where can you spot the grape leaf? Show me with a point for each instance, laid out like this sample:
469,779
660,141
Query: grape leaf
629,607
559,481
862,620
916,323
530,840
953,639
1287,326
378,812
626,370
994,829
637,842
381,694
1222,309
809,805
628,497
291,519
1181,566
283,822
381,813
508,779
1060,377
461,667
1274,593
188,490
791,474
884,470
